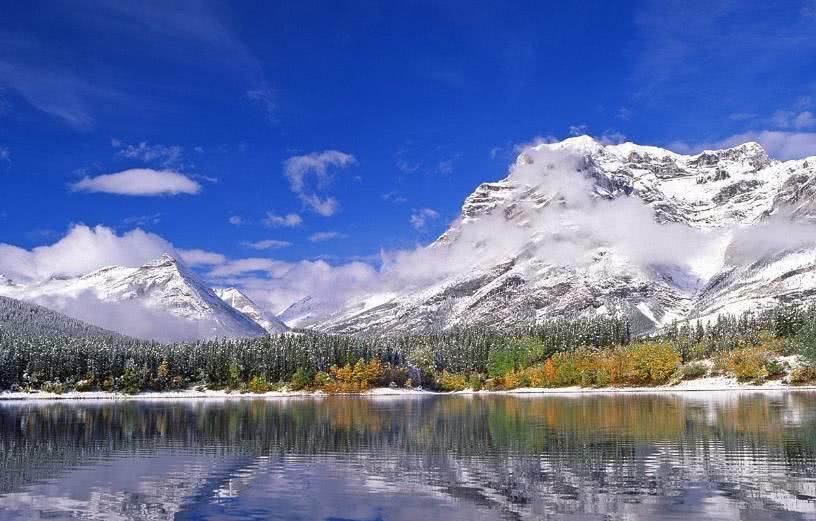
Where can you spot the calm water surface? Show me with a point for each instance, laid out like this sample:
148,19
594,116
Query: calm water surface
634,457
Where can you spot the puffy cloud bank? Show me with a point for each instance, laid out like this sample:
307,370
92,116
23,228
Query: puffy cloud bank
81,250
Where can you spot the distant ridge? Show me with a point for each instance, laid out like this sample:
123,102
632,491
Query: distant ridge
178,305
24,318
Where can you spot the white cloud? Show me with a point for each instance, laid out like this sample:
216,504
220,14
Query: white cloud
298,168
290,220
419,218
197,257
326,236
265,97
804,120
276,284
249,265
83,249
795,120
624,114
611,137
445,167
779,144
164,155
741,116
406,167
139,182
577,130
52,90
809,9
235,220
537,140
683,48
128,317
4,155
142,220
393,196
268,244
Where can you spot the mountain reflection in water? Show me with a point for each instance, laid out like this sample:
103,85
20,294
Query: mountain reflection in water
746,456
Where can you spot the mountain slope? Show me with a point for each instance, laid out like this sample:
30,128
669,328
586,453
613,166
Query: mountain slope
580,228
162,299
24,318
237,300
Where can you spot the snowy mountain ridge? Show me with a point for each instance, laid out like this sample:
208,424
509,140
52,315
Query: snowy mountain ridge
237,300
164,288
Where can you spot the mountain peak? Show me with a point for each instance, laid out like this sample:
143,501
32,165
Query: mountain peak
749,148
584,145
164,260
236,299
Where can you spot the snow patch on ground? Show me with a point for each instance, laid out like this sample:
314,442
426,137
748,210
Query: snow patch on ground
715,384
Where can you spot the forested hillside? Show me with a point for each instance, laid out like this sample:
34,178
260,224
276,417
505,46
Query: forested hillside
24,318
47,351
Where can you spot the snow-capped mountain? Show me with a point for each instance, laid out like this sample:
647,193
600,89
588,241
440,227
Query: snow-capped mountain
299,313
581,228
245,305
162,299
308,311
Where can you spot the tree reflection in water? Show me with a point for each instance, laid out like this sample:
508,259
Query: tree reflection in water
630,456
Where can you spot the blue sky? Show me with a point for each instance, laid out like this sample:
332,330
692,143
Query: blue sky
367,123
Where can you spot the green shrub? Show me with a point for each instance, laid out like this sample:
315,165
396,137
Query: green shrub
423,360
693,370
234,376
321,379
502,362
775,368
475,381
132,382
805,342
301,380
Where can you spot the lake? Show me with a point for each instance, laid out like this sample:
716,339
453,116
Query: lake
748,456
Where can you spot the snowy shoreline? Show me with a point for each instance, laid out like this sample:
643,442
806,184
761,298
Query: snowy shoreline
699,386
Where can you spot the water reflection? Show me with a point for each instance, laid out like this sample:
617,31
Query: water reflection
731,456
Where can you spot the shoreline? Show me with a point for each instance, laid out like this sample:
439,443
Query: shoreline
697,387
